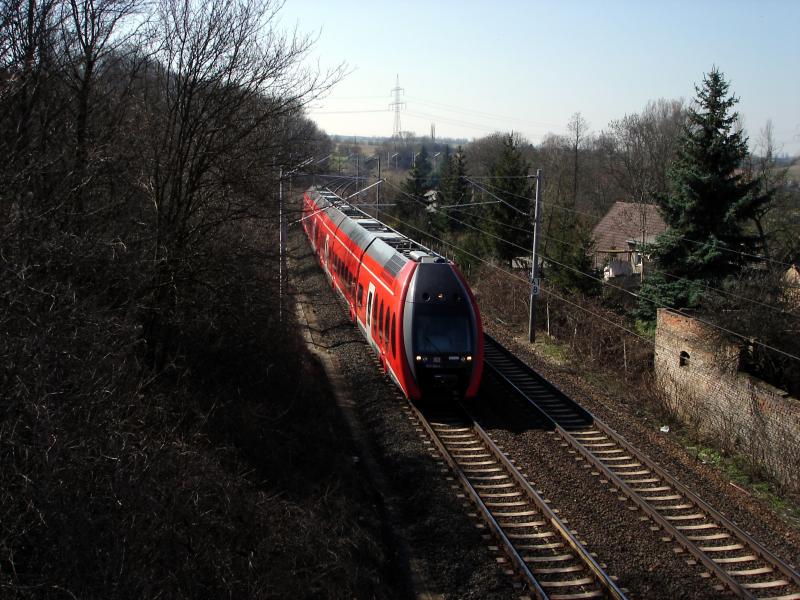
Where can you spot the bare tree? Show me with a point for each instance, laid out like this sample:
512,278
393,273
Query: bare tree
578,129
29,104
91,46
763,166
223,84
640,148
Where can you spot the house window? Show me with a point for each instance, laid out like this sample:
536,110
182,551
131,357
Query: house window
386,330
684,360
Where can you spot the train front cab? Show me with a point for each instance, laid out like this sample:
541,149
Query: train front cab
442,324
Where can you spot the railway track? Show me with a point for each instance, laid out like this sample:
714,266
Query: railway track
550,559
738,561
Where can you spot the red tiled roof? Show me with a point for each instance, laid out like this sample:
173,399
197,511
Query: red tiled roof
625,221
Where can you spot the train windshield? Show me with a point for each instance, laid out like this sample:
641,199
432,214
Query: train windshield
442,333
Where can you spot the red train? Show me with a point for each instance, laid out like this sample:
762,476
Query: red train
413,306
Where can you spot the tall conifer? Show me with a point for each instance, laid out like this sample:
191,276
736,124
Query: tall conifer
511,217
710,201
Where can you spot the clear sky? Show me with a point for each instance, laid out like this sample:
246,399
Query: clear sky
474,67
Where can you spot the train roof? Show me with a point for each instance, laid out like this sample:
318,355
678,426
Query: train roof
387,246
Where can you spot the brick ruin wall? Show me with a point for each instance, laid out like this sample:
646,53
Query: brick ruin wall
706,390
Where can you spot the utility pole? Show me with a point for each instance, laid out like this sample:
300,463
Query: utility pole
378,187
537,211
280,245
641,248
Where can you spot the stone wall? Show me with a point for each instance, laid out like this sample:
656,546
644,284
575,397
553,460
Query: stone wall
698,369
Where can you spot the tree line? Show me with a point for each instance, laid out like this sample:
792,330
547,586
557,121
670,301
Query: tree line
142,144
728,205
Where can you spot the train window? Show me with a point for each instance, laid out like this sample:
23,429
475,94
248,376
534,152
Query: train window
374,312
380,321
386,330
437,333
391,336
360,295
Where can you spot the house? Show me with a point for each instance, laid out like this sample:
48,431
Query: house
619,236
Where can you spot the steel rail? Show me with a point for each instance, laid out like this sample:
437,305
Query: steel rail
605,583
566,534
516,558
712,514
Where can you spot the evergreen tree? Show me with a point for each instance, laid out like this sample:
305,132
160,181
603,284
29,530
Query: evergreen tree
419,177
411,204
454,187
710,201
570,263
512,217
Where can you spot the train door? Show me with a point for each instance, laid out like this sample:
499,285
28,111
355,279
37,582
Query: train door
325,254
370,300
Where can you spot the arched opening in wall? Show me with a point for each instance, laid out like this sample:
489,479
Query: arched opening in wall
684,360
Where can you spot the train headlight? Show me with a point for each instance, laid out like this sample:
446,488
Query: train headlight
469,357
419,358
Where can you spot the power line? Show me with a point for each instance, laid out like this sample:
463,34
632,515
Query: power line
501,177
634,294
544,290
508,204
563,243
518,278
599,218
344,112
451,121
652,269
480,113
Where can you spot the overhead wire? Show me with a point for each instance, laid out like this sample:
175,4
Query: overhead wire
518,278
598,218
647,341
343,112
478,112
451,121
590,276
652,269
